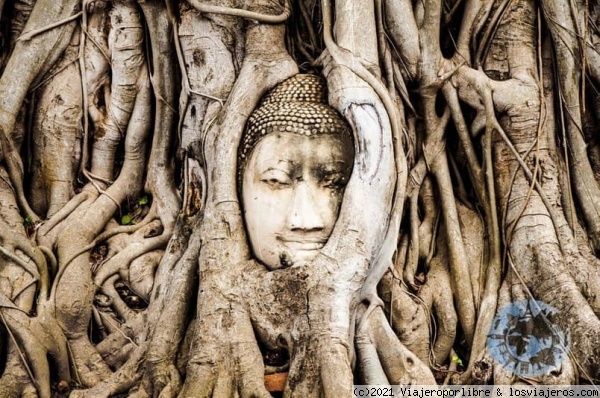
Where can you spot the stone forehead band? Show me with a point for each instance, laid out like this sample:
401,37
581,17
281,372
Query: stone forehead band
297,105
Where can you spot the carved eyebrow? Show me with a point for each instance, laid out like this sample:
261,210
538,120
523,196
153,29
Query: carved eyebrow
274,169
334,167
272,164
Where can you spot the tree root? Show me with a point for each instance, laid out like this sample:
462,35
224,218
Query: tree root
121,380
408,316
235,12
36,341
401,366
397,66
15,382
161,166
209,364
121,261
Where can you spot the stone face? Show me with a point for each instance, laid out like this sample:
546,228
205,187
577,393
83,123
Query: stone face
292,191
293,172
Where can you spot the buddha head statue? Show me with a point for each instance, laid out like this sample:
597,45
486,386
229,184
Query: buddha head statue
295,159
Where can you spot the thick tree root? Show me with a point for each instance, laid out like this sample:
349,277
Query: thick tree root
74,288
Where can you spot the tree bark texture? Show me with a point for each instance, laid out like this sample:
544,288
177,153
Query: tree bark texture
126,267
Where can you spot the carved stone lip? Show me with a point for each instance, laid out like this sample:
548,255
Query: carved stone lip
303,243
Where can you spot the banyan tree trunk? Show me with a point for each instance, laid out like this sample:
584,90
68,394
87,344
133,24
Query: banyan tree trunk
126,262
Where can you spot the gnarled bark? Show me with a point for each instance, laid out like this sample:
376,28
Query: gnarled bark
126,265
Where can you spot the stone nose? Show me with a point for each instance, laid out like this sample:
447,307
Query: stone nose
306,211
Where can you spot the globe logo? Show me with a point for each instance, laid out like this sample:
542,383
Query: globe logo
525,340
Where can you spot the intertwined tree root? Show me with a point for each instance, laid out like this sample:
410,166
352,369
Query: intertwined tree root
125,266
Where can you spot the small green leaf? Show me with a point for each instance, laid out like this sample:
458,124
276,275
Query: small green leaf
456,359
143,201
27,221
126,219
